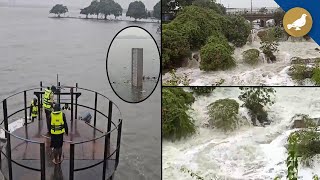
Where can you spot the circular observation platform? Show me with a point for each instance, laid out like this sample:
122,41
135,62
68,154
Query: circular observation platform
91,149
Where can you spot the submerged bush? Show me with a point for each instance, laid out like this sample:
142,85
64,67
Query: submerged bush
216,57
177,80
223,114
202,90
255,99
299,72
251,56
175,48
308,145
237,30
176,123
219,38
316,76
197,24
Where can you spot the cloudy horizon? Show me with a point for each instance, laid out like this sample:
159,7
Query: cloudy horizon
247,3
73,3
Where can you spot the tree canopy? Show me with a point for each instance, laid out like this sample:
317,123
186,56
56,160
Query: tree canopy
137,10
157,11
197,26
104,7
59,9
278,16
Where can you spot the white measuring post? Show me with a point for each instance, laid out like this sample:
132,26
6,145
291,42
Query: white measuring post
137,67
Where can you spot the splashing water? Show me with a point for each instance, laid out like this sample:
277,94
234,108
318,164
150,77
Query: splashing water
249,152
262,74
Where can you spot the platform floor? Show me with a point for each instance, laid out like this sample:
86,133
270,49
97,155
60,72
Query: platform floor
86,154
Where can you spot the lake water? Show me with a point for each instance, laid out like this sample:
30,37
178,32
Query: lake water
119,67
35,48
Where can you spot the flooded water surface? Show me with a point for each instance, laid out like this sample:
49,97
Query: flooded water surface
35,48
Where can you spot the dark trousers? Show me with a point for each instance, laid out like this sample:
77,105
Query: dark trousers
48,118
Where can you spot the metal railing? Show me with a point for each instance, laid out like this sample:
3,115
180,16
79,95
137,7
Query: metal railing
74,110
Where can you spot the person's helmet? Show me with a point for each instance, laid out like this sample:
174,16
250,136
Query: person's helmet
57,107
35,100
53,88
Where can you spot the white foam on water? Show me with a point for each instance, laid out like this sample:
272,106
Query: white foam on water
263,73
247,153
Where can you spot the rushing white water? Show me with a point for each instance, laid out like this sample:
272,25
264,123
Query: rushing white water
262,74
249,152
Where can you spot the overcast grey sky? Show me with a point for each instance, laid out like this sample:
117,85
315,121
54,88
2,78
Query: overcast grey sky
78,3
247,3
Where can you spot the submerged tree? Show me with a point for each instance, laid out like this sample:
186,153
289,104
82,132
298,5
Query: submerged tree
157,10
176,122
94,8
137,10
255,99
278,16
116,9
104,7
85,11
59,9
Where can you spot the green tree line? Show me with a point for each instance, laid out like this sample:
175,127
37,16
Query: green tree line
136,9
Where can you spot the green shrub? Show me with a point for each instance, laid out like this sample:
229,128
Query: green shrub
278,32
308,145
237,30
223,114
202,90
316,76
269,42
299,72
175,48
255,98
219,8
197,24
177,80
176,123
251,56
262,35
219,38
216,57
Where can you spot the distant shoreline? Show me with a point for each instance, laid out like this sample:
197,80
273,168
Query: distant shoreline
74,17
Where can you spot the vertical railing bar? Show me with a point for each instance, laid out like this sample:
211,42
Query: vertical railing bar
105,155
39,109
71,91
76,110
71,173
109,116
59,92
95,109
7,135
43,161
39,102
109,125
118,143
25,108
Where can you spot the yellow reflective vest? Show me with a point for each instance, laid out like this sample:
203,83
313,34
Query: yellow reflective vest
47,101
34,109
57,123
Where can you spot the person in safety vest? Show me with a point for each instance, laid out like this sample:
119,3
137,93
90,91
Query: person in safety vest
58,127
34,109
48,103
